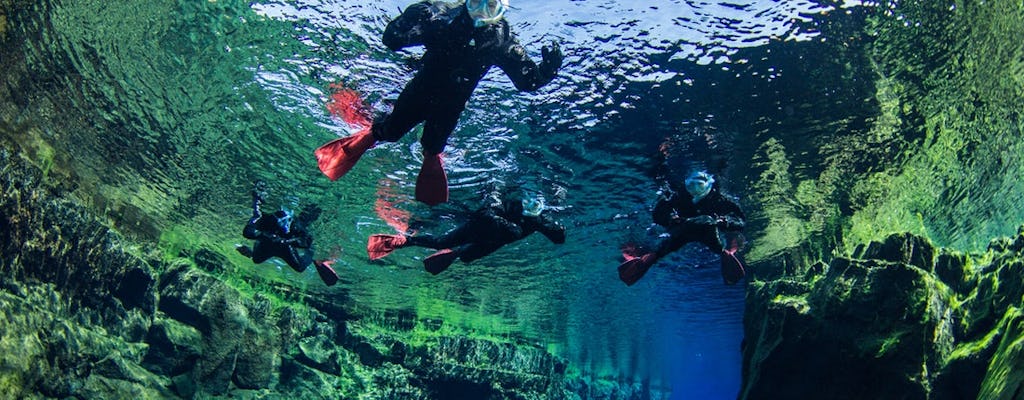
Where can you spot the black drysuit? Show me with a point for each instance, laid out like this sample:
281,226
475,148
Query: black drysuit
272,240
489,229
457,56
688,222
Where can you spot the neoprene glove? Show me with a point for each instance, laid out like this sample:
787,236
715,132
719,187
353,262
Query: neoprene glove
259,191
551,57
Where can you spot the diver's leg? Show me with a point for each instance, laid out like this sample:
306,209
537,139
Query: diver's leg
731,266
678,237
476,251
298,262
455,237
432,182
262,251
410,109
633,269
712,240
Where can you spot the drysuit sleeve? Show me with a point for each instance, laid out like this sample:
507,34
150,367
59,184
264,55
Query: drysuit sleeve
664,212
302,239
524,73
501,228
250,231
253,233
411,28
551,229
730,216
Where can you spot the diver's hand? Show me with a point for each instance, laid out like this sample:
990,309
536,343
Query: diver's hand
552,57
259,190
702,220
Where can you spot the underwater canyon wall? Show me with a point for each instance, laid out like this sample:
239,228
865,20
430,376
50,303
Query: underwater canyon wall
900,318
87,313
905,293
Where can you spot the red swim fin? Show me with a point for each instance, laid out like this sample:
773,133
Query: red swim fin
379,246
338,156
327,274
440,261
432,182
632,270
732,268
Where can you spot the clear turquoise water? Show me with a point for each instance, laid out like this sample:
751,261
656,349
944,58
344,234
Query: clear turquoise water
166,111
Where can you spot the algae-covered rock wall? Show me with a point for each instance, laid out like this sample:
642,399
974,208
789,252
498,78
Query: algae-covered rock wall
905,295
898,319
88,314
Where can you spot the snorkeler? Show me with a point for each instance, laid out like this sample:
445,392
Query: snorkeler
282,236
462,43
499,223
697,214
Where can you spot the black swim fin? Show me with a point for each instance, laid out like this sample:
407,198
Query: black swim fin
440,261
327,274
633,269
732,268
432,182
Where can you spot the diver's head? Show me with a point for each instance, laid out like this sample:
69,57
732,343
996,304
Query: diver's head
532,206
486,12
284,220
698,184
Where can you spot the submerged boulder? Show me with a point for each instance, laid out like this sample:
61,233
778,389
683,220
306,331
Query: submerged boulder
899,319
234,349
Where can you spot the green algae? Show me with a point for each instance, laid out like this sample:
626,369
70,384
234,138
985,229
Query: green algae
1005,378
798,303
965,91
784,229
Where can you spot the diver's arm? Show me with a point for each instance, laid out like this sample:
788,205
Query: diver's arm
503,229
525,74
250,231
410,28
551,229
665,213
302,240
253,233
730,216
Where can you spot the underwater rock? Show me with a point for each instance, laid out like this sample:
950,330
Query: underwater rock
900,248
173,347
48,238
235,349
82,316
48,349
901,319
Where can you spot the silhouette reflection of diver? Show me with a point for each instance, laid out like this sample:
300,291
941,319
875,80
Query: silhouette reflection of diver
700,213
282,236
499,223
462,43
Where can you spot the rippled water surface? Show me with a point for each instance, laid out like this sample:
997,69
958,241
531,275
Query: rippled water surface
165,112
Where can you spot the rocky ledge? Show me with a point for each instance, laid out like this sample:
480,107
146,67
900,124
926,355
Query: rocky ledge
86,313
900,319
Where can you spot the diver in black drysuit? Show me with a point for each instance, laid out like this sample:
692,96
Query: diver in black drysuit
487,230
688,221
460,49
282,236
457,56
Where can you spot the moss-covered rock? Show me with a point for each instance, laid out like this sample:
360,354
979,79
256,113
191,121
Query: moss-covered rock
901,319
85,316
46,349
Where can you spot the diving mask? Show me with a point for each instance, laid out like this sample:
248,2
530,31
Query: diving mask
532,207
485,12
284,220
699,185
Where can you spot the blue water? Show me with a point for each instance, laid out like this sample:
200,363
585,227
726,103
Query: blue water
217,94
